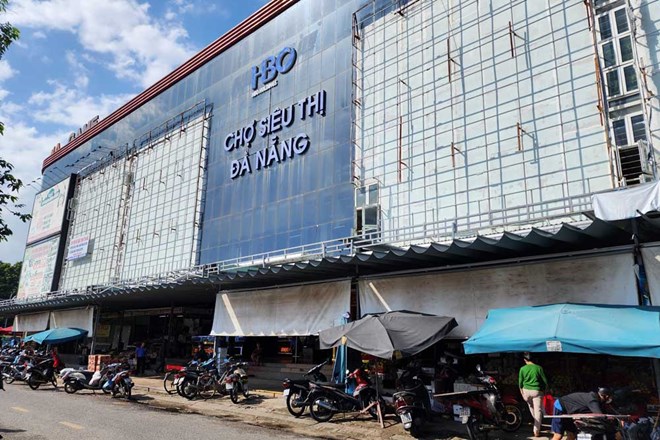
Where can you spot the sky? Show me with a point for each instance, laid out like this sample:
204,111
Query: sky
79,58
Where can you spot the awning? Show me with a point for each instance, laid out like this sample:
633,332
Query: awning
32,322
286,311
73,318
575,328
627,203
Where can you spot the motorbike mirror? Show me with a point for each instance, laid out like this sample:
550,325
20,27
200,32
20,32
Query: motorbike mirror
479,368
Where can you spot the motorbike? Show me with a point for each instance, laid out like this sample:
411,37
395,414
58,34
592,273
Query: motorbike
120,383
327,399
412,402
76,380
187,381
237,382
485,410
296,392
597,428
41,373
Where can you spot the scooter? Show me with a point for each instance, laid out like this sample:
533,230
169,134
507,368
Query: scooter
76,380
42,373
120,384
484,410
237,382
296,392
412,402
328,399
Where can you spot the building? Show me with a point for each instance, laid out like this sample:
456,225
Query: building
359,155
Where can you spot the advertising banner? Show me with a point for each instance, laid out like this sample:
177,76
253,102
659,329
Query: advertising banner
38,268
48,212
77,248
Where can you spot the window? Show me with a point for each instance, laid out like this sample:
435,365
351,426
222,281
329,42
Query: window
616,49
605,27
620,136
629,129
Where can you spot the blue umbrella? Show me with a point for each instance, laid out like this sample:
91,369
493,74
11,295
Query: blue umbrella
57,335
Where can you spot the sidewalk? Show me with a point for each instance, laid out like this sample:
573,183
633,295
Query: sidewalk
268,409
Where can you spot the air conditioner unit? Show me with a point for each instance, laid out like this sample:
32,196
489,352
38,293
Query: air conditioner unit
636,164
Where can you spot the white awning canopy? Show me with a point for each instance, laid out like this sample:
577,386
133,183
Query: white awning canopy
33,322
286,311
467,296
627,203
74,318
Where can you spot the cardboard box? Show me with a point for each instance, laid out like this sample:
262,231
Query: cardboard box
94,361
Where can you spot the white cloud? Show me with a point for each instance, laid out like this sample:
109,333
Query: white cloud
39,35
6,71
72,107
139,46
78,69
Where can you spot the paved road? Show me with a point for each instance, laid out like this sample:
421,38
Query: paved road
52,414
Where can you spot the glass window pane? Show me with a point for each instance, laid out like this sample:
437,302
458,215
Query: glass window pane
620,136
630,77
605,27
638,128
373,194
613,88
621,21
608,54
626,49
361,197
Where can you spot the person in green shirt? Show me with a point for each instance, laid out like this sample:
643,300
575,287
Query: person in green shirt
532,384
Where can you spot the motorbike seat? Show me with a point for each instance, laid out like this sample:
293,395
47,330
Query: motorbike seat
330,385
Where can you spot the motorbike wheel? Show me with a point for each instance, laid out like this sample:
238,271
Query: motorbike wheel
168,383
70,388
473,431
33,383
53,382
318,412
414,430
189,390
9,378
233,394
126,394
513,418
369,396
294,397
207,387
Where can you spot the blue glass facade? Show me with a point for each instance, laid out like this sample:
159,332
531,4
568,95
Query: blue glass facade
304,199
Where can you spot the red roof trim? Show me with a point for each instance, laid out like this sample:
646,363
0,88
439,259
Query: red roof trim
245,28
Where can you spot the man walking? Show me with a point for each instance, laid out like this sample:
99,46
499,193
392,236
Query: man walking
533,383
140,358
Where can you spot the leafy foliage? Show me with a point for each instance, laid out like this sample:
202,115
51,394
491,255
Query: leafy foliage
9,275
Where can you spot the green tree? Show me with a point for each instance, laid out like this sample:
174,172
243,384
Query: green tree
9,185
9,276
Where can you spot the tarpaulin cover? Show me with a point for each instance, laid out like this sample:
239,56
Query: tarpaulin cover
468,295
57,336
651,257
575,328
625,203
32,322
73,318
384,334
286,311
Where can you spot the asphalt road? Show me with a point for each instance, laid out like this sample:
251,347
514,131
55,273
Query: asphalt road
52,414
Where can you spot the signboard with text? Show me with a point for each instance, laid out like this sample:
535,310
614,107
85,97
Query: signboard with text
48,212
78,248
38,268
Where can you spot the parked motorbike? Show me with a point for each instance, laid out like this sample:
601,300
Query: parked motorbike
236,383
485,410
120,383
327,399
41,373
76,380
296,392
412,402
187,381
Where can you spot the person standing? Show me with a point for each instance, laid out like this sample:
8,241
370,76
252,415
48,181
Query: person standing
533,383
140,358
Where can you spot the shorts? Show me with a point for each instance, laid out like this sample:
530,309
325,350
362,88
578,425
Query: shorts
559,426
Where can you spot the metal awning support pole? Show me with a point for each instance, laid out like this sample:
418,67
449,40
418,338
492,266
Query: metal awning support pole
96,326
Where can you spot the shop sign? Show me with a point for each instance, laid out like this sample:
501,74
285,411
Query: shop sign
77,248
276,149
272,66
553,346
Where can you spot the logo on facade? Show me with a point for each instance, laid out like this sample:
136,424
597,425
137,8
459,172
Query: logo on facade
266,73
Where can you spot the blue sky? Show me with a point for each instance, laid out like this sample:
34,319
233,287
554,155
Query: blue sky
80,58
